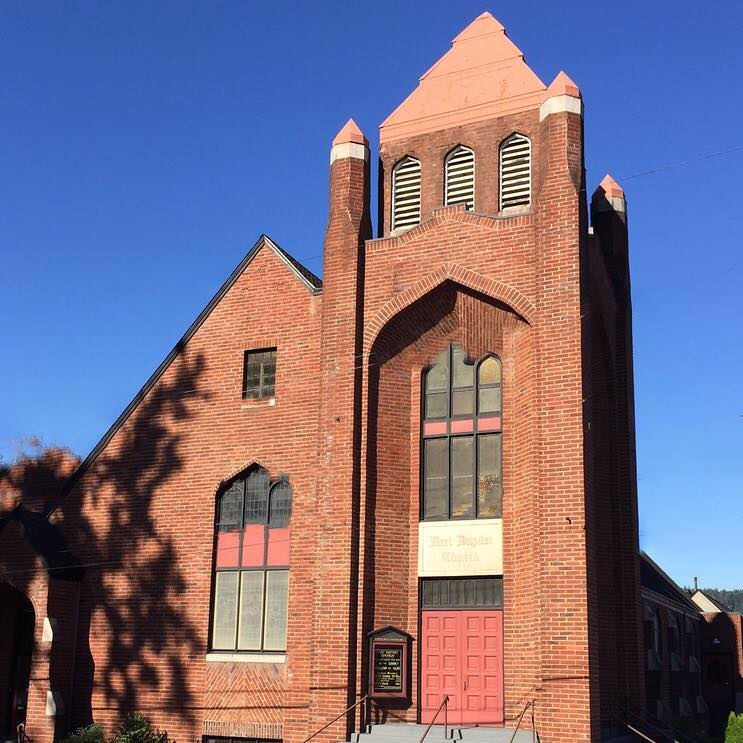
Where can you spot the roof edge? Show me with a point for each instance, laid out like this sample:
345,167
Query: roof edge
682,594
311,282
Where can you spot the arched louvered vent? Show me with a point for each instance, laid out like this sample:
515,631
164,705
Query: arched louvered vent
515,171
460,178
406,193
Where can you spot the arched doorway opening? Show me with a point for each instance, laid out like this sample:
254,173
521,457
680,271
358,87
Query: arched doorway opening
17,621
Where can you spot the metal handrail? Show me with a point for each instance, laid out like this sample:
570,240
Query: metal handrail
623,719
637,732
445,705
530,703
335,719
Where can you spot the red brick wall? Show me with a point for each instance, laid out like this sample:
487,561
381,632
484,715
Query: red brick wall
610,461
333,666
447,314
484,138
345,429
531,264
23,571
143,517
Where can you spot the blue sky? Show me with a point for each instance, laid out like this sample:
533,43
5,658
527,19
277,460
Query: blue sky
145,146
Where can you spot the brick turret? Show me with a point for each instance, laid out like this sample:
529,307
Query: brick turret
349,226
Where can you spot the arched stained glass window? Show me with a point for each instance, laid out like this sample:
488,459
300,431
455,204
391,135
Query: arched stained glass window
251,564
462,467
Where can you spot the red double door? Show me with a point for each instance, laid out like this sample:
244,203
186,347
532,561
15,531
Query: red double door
462,657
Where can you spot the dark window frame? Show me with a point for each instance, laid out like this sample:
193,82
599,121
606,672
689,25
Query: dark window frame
240,569
476,435
495,581
265,390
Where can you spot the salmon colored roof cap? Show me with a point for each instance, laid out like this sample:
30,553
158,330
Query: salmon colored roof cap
610,188
563,85
481,77
350,133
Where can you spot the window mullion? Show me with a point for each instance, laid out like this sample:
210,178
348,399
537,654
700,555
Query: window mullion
263,607
448,435
237,608
475,474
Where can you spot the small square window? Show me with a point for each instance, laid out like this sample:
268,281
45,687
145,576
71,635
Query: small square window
259,374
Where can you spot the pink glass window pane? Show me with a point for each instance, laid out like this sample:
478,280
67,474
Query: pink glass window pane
461,426
433,428
278,546
489,424
228,549
253,545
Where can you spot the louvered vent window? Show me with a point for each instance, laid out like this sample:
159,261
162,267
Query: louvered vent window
406,193
515,172
460,177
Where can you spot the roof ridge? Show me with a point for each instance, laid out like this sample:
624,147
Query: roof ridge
313,284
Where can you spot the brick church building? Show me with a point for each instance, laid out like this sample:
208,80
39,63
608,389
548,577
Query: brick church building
414,479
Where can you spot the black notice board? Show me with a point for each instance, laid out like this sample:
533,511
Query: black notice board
388,668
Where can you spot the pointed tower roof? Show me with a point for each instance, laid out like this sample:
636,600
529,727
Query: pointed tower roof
350,133
482,76
611,188
563,85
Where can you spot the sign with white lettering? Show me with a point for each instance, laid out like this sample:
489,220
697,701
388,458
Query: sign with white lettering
473,547
389,662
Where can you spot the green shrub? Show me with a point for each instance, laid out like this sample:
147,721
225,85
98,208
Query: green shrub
137,729
734,730
89,734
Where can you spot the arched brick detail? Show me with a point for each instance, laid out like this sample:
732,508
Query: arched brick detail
29,595
235,473
460,275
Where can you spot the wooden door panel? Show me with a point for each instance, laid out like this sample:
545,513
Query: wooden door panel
482,633
462,656
440,673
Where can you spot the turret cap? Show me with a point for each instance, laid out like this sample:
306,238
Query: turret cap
562,85
350,133
611,189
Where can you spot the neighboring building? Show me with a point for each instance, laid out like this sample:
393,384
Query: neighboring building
706,603
430,453
722,656
673,625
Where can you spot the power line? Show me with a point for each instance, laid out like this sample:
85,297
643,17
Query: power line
683,163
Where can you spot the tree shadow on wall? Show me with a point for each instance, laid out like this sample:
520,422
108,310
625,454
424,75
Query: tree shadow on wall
119,519
134,602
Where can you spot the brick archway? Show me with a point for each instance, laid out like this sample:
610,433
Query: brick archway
492,288
17,622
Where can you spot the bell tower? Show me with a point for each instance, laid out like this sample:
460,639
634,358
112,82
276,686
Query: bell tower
484,252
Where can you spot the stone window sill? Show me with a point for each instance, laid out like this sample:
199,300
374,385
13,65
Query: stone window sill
258,404
220,657
515,211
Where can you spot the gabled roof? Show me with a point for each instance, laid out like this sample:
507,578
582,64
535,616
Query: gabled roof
312,282
482,76
708,603
653,578
46,541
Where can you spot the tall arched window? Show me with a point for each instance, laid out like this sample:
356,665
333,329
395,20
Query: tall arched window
406,193
459,176
462,468
515,171
251,565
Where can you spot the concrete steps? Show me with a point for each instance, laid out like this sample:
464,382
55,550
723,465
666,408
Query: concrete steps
410,733
396,732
